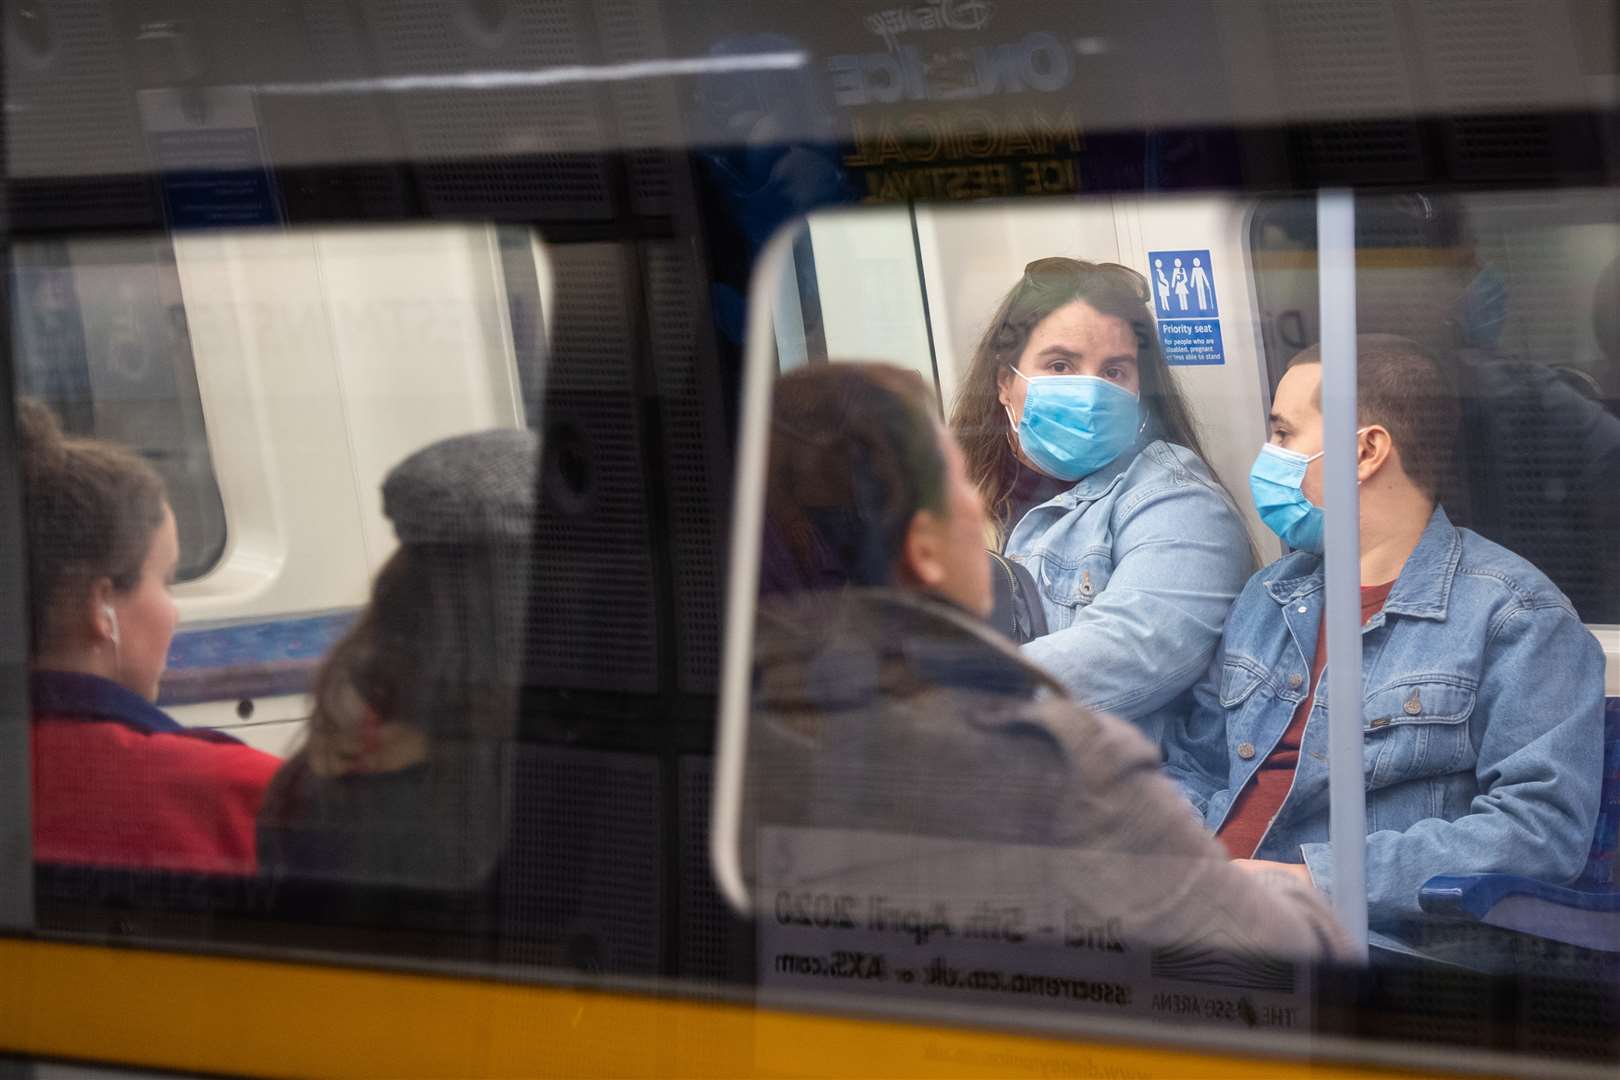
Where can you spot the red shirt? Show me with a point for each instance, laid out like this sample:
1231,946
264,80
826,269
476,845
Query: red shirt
1246,824
117,782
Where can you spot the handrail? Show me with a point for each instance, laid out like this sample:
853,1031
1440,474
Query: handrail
742,581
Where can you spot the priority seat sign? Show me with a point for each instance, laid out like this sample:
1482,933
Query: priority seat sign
1184,301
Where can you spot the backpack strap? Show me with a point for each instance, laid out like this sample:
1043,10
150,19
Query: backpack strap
1017,612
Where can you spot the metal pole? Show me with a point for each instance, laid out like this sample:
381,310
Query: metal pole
1347,793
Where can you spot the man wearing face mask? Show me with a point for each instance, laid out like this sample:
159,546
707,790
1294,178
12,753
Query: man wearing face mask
1482,692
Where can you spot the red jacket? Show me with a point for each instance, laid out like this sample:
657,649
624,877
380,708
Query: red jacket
118,782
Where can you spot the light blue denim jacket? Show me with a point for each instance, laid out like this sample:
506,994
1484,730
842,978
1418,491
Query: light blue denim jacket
1482,713
1137,566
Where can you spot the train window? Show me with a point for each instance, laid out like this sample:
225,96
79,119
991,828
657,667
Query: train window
871,306
899,803
874,813
101,336
1516,292
917,286
355,403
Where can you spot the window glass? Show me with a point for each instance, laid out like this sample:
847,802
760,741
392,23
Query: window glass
909,822
366,391
884,834
977,643
1516,292
100,335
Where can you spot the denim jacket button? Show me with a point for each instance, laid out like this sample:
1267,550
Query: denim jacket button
1295,681
1414,705
1245,750
1302,609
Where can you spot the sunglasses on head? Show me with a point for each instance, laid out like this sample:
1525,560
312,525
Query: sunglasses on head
1042,272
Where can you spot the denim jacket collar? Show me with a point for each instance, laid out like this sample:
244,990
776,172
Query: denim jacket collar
1423,589
1093,487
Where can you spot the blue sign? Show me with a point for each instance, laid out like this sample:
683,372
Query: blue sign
1192,341
1183,286
206,146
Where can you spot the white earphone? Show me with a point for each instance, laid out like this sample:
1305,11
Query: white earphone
112,623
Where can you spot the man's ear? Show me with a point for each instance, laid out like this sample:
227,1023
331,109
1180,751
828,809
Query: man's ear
1374,450
922,562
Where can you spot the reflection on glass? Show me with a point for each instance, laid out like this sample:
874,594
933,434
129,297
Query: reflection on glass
1509,292
325,361
1085,449
100,336
928,812
401,780
116,780
1121,565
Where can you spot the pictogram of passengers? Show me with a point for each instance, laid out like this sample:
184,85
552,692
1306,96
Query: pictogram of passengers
1186,284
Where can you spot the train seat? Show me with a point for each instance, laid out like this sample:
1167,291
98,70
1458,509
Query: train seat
1585,913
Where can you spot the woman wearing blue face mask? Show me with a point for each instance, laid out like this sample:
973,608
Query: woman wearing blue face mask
1090,464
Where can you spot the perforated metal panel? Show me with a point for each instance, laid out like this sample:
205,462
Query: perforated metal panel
70,111
1480,51
307,129
1436,1005
1476,54
633,30
595,606
1544,320
1408,300
1342,53
582,882
688,391
491,150
1346,58
1566,1020
705,948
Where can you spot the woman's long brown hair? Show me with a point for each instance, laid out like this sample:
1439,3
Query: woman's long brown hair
978,418
91,509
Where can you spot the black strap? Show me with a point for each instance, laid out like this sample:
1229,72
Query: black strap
1017,612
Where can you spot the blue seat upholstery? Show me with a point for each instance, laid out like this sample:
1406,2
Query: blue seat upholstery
1586,912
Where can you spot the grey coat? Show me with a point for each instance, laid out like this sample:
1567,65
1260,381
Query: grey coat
895,713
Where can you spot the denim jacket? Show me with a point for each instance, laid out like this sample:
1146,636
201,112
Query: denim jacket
1482,712
1137,566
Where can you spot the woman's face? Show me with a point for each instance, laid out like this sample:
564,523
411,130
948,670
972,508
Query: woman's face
146,614
1076,339
944,548
968,569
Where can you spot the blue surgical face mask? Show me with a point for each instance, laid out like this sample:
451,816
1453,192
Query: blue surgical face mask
1073,425
1274,481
